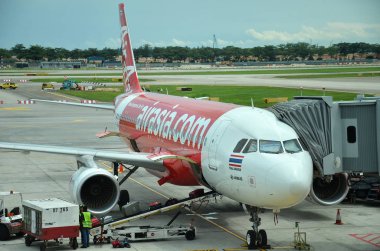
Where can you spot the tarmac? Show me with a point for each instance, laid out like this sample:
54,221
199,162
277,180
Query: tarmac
221,224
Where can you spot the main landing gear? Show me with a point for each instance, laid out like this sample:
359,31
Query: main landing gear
256,238
124,195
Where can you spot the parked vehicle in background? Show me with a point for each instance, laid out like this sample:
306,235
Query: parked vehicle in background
8,86
10,215
47,86
69,84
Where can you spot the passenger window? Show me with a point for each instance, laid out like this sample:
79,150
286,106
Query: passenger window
240,145
251,146
271,146
292,146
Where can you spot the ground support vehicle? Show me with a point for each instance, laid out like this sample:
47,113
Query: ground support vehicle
47,86
10,215
51,219
8,86
364,188
69,84
120,228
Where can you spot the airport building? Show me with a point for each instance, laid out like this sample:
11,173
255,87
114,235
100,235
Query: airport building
61,64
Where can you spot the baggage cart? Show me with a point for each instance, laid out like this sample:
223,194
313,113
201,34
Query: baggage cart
51,219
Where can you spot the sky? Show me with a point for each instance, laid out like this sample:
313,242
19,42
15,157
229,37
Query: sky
86,24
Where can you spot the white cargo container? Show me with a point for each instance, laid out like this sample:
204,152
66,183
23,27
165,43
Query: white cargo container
49,219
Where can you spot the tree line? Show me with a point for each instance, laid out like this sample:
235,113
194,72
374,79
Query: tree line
282,52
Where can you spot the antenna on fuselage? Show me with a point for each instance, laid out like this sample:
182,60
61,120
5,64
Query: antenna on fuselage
252,104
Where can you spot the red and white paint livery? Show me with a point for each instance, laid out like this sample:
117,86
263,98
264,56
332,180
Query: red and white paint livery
206,133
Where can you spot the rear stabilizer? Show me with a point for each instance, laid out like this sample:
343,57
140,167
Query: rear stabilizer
130,78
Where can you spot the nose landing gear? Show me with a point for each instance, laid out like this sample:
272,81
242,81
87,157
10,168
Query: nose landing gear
256,238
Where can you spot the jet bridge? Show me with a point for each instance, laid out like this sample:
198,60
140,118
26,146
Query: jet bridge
341,136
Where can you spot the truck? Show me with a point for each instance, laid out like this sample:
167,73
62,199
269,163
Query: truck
70,84
11,220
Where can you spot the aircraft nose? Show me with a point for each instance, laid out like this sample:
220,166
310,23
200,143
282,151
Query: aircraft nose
299,187
290,183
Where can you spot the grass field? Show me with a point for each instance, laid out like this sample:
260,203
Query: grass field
230,94
336,75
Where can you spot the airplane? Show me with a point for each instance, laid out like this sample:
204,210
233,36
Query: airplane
243,153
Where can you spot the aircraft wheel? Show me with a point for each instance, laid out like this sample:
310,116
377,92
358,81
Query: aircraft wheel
251,239
4,233
123,198
262,238
190,235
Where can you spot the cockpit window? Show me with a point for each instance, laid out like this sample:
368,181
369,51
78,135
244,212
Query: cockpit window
240,145
251,146
304,147
292,146
271,146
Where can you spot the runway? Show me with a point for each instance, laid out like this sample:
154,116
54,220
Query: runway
368,85
357,85
221,224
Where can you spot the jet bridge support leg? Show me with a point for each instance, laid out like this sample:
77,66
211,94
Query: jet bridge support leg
255,238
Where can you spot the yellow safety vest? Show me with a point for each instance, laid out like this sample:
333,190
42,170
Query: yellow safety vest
87,223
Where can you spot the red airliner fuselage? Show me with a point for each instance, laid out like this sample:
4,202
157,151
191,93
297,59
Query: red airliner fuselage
177,125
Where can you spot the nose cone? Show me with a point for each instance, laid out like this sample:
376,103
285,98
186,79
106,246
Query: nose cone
300,188
289,183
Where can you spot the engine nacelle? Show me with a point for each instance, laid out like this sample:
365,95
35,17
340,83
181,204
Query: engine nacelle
94,187
329,193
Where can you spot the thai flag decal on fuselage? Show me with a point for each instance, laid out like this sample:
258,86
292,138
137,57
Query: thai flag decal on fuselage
235,162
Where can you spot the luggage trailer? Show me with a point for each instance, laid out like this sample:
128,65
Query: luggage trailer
120,228
50,219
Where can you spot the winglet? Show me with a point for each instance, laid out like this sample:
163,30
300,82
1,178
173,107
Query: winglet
130,78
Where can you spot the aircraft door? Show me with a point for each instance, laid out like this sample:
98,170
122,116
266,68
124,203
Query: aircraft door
214,144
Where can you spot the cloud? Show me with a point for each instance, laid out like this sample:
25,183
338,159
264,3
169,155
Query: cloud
331,31
90,44
173,42
113,43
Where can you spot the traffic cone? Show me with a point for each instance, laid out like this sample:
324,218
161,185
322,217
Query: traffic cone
338,220
121,169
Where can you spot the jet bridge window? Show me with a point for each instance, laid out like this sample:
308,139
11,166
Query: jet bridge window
271,146
251,146
240,145
351,134
292,146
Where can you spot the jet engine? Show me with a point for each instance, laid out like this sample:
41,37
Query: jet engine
94,187
329,191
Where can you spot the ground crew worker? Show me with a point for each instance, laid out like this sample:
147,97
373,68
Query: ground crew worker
85,226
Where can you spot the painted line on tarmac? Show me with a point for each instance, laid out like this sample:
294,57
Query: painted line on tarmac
65,96
195,213
15,109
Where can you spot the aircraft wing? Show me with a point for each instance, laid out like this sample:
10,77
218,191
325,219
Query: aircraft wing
144,160
99,106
